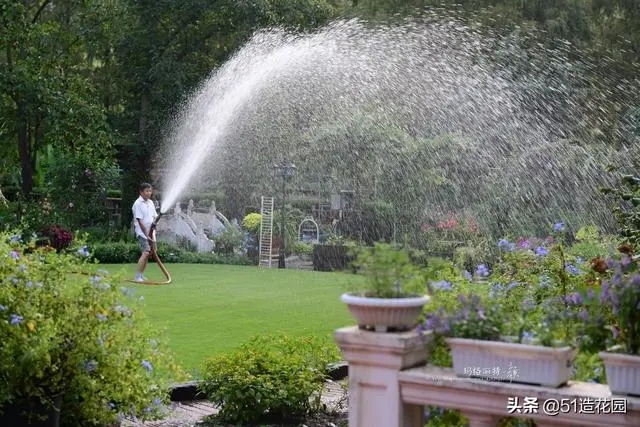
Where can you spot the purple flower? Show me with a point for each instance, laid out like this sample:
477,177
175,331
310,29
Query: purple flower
14,319
14,255
583,315
575,298
512,285
147,365
482,270
442,285
101,317
558,227
505,245
572,269
481,315
635,280
540,251
468,275
524,244
591,294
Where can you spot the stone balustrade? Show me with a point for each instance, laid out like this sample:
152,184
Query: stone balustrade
389,385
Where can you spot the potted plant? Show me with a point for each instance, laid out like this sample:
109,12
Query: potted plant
74,347
482,344
503,329
620,294
393,293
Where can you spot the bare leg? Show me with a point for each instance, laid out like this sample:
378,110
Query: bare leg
142,262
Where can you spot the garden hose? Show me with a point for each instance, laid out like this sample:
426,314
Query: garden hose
154,254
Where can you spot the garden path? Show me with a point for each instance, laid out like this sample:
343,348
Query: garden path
188,414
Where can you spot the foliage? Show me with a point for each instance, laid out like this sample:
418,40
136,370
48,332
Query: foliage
303,248
228,241
627,211
58,236
270,378
527,297
123,253
81,336
388,271
251,223
618,300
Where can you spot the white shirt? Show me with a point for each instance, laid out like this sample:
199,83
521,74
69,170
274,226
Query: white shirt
146,211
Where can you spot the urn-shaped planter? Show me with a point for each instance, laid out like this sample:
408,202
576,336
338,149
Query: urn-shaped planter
385,314
513,362
623,373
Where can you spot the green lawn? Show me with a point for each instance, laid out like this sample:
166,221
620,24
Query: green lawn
208,309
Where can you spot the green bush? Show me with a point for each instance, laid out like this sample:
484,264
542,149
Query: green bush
251,223
303,248
268,379
82,337
129,252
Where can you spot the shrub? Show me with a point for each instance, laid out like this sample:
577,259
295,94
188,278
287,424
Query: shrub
303,248
76,335
268,379
126,253
251,223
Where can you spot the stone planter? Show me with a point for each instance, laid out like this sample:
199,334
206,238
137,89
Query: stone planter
518,363
623,373
385,314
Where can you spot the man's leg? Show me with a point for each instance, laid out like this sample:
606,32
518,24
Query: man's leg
144,257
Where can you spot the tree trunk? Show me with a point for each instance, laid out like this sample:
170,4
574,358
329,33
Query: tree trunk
24,149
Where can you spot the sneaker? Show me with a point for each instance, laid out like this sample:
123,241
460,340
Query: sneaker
139,278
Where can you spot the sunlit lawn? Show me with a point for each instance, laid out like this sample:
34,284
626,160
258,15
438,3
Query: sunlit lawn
208,309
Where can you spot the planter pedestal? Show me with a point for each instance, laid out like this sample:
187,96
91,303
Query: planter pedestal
375,361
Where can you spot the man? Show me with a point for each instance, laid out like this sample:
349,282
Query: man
144,213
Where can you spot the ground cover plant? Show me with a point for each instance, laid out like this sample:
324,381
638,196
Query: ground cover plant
210,309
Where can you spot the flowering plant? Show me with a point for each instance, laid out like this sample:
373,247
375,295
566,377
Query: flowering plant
74,335
58,236
618,299
523,298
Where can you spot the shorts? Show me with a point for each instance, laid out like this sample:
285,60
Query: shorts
144,244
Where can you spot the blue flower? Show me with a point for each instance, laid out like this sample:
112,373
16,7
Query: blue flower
482,270
468,275
147,365
558,226
90,365
505,245
512,285
540,251
14,255
572,269
442,285
83,252
14,319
